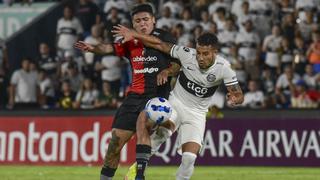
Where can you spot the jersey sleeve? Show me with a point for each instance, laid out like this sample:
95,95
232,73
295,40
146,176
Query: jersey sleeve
184,54
229,76
119,48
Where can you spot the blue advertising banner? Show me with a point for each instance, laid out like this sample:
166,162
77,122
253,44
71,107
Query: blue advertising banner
249,142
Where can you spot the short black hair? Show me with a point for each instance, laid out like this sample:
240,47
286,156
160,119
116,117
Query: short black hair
208,39
145,7
221,10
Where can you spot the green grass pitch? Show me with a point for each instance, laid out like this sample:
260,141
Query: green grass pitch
160,173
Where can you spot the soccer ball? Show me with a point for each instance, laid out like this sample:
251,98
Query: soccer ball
158,110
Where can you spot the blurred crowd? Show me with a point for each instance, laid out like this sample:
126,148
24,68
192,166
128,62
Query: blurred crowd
23,2
273,45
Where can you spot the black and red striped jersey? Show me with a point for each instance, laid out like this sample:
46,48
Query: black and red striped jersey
146,63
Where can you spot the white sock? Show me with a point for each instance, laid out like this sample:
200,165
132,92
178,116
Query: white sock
158,137
186,167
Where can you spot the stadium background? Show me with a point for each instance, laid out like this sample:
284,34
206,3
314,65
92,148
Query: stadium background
277,126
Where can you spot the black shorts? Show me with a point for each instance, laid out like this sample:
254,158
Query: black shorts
127,114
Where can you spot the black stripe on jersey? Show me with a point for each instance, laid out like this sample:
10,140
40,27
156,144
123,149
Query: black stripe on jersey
67,30
247,44
196,89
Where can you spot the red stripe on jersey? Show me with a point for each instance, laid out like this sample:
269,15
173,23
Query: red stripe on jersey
134,49
119,49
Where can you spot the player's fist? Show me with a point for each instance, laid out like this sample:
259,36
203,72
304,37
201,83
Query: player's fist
84,46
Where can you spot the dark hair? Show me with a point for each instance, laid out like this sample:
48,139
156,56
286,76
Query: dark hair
208,39
221,10
26,58
141,8
179,25
69,6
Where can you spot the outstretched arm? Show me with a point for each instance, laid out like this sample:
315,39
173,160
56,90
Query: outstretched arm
234,95
148,40
97,49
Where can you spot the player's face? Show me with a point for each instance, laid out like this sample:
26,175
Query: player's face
143,22
205,56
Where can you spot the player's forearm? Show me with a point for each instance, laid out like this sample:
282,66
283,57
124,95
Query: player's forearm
149,40
174,69
102,49
236,93
153,42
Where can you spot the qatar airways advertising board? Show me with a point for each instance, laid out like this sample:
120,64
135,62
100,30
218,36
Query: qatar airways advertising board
268,142
64,140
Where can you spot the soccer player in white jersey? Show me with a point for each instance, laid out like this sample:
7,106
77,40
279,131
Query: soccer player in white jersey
202,72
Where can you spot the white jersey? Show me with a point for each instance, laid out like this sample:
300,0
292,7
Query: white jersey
68,31
195,87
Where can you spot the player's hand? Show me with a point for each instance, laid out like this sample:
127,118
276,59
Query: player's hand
81,45
231,100
162,77
122,31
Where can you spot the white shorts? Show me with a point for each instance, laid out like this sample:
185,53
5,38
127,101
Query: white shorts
190,123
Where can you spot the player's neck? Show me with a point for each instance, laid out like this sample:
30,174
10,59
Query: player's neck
212,63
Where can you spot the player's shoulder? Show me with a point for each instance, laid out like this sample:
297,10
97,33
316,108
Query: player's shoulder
164,35
158,32
184,49
222,61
